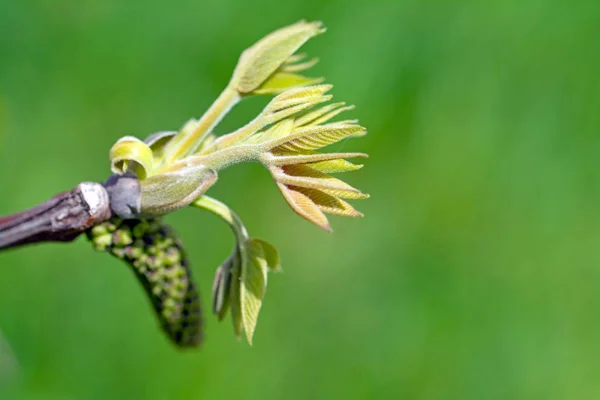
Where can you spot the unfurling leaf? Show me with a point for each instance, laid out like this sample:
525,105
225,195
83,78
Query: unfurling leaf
307,177
336,166
304,206
258,62
330,204
282,106
292,64
281,81
175,169
323,114
253,285
326,162
314,137
130,152
156,256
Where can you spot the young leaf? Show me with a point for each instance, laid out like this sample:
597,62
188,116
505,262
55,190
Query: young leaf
305,176
323,114
314,137
236,302
261,60
298,67
254,285
271,255
330,204
131,152
317,159
304,206
335,166
281,81
221,290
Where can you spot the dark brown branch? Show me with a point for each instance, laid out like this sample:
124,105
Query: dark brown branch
60,219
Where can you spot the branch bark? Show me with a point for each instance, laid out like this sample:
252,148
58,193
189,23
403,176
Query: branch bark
60,219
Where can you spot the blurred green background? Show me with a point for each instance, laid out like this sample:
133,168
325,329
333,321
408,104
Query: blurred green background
475,274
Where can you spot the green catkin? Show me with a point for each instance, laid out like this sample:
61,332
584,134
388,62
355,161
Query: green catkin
158,260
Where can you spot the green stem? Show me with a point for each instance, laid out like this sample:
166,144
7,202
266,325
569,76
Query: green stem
190,142
226,214
220,159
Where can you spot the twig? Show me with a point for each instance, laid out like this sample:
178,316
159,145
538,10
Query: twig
60,219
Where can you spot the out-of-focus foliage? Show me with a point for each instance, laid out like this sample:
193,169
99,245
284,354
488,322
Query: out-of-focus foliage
475,273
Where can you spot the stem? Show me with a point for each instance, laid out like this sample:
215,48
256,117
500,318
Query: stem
60,219
189,143
226,213
238,135
220,159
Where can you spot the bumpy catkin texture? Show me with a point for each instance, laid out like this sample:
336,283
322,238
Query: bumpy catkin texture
158,260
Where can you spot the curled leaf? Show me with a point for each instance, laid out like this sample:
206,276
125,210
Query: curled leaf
130,152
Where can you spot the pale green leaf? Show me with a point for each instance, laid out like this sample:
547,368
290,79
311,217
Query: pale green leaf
322,114
258,62
271,255
281,81
298,67
304,206
275,131
335,166
314,137
317,159
345,194
254,285
330,204
294,58
293,110
296,96
306,177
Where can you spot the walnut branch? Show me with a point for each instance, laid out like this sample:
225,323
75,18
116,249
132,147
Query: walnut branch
69,214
